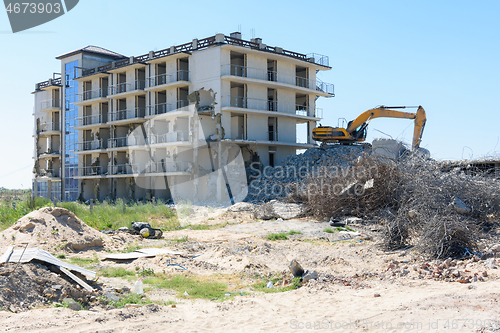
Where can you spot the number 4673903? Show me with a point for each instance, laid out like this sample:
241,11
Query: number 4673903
30,7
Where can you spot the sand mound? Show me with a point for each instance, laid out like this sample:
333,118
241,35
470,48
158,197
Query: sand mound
52,228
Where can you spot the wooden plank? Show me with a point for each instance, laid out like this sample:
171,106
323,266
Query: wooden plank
5,257
76,279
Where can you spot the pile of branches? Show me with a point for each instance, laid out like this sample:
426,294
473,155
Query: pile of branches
415,200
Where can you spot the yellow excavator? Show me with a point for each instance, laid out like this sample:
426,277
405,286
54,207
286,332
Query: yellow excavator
356,129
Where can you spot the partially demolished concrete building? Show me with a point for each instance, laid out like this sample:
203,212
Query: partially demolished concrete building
179,123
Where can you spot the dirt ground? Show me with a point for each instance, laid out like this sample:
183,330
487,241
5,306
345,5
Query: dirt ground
360,287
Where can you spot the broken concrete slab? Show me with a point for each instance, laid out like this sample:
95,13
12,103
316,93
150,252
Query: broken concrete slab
459,206
275,209
241,207
310,276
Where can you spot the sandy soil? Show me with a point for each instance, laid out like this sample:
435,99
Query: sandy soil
360,287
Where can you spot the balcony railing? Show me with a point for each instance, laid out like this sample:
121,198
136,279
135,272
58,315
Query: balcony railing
264,74
50,172
126,141
50,104
167,137
272,135
93,171
127,114
268,105
126,87
180,75
91,120
92,94
121,169
161,166
161,108
91,145
48,127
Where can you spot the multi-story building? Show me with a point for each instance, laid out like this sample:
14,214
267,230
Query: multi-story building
113,126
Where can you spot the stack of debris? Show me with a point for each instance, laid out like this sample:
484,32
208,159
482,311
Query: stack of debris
290,177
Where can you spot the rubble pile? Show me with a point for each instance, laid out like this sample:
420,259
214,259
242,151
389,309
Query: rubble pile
291,176
25,286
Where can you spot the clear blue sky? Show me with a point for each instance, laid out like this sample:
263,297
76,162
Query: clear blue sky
443,55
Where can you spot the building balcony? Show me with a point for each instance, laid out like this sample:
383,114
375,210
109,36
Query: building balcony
273,108
123,169
127,116
91,121
125,89
50,173
49,154
98,144
93,171
50,105
245,74
92,96
162,108
126,141
170,167
170,137
49,129
163,81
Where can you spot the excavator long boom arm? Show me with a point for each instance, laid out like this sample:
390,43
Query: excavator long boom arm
387,112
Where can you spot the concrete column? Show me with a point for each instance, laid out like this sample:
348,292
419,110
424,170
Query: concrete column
195,44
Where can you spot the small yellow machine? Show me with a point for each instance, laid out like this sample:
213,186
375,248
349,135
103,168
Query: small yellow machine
356,129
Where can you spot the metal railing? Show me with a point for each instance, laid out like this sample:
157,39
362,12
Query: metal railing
162,166
48,127
272,135
121,169
92,94
50,172
126,141
92,119
203,44
162,108
269,105
167,137
91,145
264,74
127,114
50,104
180,75
126,86
93,170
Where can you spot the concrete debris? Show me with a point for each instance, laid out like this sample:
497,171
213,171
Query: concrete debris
310,276
459,206
495,248
389,148
276,209
292,174
241,207
296,269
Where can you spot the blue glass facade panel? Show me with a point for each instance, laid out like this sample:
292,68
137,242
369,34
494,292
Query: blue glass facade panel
71,134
